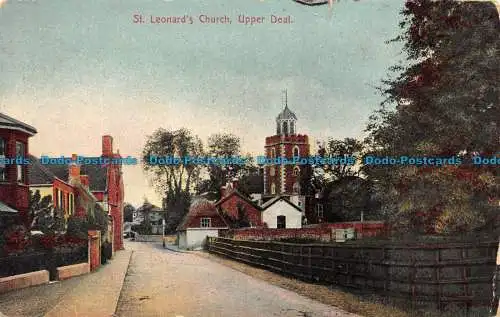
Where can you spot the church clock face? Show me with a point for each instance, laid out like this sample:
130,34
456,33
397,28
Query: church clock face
272,171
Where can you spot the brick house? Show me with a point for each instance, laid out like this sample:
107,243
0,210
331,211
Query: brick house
202,220
104,182
14,178
232,200
69,189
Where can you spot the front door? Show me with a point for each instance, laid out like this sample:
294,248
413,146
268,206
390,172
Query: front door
281,222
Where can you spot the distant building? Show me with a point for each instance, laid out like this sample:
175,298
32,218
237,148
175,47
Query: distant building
201,221
14,176
280,213
232,201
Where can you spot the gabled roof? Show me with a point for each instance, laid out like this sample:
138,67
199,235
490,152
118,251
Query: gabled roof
7,122
39,174
271,202
200,208
45,173
237,193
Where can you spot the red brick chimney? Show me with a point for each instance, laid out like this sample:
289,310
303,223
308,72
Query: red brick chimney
74,171
84,179
107,145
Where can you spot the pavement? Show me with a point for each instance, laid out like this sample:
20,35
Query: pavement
98,294
90,295
162,282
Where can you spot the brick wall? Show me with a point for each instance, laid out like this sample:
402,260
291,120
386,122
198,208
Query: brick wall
231,207
324,232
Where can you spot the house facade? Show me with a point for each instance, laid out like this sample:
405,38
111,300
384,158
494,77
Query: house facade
280,213
14,176
74,187
233,203
202,220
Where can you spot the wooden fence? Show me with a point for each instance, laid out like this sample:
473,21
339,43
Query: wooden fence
438,276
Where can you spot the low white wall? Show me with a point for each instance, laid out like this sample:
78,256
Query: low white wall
182,239
195,238
148,238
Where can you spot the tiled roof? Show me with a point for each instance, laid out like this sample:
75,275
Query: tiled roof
271,202
200,207
237,193
38,174
45,173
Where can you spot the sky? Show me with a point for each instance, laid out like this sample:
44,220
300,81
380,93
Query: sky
77,70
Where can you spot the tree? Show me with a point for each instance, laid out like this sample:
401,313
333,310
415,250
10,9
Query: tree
44,215
175,181
128,212
224,145
446,104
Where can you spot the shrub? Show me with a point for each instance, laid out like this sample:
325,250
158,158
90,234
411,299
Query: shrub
16,239
106,252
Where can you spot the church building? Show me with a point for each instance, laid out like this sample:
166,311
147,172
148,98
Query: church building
284,179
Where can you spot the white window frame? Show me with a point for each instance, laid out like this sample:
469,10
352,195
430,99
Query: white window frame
20,167
319,210
272,171
296,148
296,171
273,189
203,222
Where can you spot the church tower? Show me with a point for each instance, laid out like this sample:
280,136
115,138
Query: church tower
287,143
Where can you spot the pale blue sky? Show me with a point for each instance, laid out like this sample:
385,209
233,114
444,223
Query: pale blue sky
79,69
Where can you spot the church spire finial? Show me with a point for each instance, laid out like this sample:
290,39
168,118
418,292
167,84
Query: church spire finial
285,99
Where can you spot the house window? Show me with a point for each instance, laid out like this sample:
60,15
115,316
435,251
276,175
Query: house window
296,188
272,171
281,222
273,153
292,128
59,199
296,171
319,211
273,189
2,156
205,222
20,152
299,203
296,151
71,204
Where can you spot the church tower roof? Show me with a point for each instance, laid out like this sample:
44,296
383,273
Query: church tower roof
287,114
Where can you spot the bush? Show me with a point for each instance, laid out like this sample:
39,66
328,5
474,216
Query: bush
106,252
16,239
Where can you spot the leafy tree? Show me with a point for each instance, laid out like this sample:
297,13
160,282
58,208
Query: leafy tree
175,181
128,212
44,216
220,146
446,104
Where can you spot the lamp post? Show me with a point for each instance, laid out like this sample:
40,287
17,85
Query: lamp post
163,231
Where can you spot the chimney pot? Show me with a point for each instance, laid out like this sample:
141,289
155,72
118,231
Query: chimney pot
107,145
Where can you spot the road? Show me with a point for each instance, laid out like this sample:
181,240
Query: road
161,282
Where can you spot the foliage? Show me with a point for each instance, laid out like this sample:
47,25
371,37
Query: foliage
44,215
128,212
16,239
446,104
175,181
77,227
220,146
106,252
